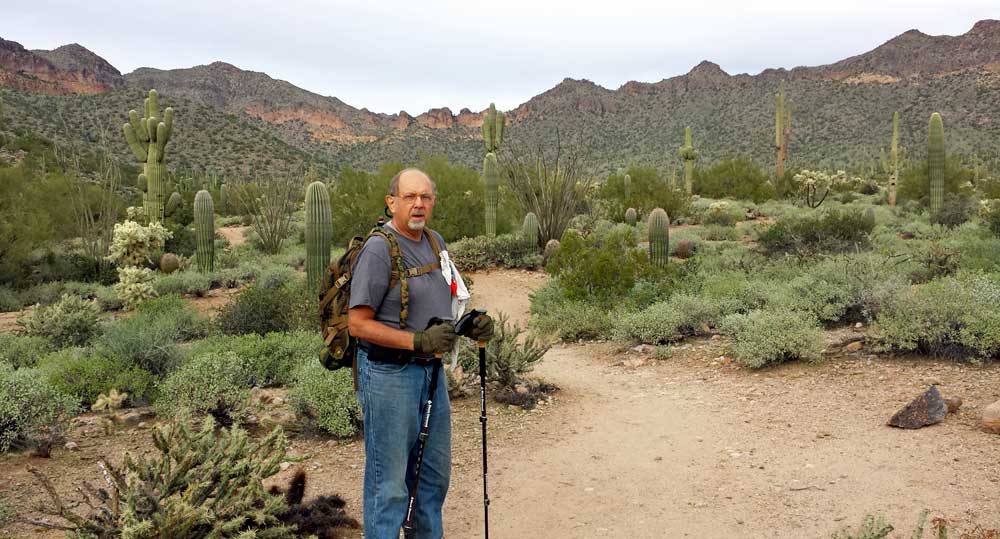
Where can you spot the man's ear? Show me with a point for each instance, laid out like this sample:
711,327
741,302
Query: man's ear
390,203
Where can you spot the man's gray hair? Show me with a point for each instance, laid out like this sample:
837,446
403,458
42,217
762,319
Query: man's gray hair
394,183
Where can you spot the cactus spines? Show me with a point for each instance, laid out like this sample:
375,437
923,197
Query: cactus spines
627,185
493,127
894,159
173,203
935,162
491,176
630,217
688,154
148,137
659,238
204,230
319,232
782,126
529,229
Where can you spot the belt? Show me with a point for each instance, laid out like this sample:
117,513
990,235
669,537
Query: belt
394,356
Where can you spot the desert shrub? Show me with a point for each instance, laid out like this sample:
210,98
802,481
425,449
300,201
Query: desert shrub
738,178
681,315
33,414
584,265
956,210
766,337
22,351
990,212
827,231
505,250
181,241
183,282
648,190
509,355
326,398
722,213
71,321
553,314
9,300
259,309
85,376
720,233
915,185
149,338
954,317
973,247
217,384
271,360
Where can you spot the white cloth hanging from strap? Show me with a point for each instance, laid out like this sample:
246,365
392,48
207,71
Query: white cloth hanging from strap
459,296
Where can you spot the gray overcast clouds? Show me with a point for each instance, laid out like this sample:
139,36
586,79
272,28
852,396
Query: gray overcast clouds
415,55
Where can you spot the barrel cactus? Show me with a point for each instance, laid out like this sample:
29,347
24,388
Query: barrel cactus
659,237
204,230
148,137
169,263
529,230
491,176
631,217
319,232
935,162
551,247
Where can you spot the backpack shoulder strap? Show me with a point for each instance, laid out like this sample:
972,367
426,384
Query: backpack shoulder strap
427,268
397,272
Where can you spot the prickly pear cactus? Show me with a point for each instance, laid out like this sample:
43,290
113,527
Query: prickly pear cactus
688,154
491,178
529,230
630,216
319,233
659,238
204,230
148,137
935,162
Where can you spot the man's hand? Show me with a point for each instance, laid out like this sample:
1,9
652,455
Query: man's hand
482,329
436,339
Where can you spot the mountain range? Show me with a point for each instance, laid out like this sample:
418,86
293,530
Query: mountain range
229,117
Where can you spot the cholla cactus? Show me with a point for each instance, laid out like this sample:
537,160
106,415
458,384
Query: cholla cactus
112,400
812,182
133,244
134,286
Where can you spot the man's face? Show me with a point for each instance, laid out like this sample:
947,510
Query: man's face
414,201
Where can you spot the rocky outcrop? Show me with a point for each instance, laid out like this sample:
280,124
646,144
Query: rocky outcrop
441,118
70,69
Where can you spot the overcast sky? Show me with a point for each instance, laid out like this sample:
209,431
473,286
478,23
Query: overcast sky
417,54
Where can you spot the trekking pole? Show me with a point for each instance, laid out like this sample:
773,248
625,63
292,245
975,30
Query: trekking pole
482,421
408,531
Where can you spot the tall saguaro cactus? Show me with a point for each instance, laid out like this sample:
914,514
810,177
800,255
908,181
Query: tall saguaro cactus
529,230
782,126
319,233
688,154
935,162
627,184
659,237
894,159
494,122
148,137
204,230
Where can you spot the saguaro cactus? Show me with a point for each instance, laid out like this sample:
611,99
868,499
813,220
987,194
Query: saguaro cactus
529,230
204,230
894,159
688,154
935,162
630,217
319,232
224,199
659,237
627,184
782,126
173,203
148,137
493,127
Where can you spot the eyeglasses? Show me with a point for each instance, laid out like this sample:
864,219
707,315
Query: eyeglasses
410,198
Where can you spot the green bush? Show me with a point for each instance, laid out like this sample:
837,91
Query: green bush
482,252
183,282
271,360
737,178
22,351
214,383
553,314
71,321
33,414
827,231
259,309
767,337
9,300
648,190
720,233
326,398
681,315
957,209
508,354
954,317
74,371
584,265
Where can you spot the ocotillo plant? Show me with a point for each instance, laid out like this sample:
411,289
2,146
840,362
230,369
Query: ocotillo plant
529,230
782,127
630,217
688,154
894,159
204,230
494,122
659,237
319,232
148,137
935,162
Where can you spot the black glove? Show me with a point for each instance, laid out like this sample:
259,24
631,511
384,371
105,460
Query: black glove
436,339
482,329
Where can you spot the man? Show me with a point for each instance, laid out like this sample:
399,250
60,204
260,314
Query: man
394,364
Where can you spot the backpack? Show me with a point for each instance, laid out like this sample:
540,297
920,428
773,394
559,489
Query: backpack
335,296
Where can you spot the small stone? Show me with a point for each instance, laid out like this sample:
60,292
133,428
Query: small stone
859,325
855,346
285,465
716,337
642,349
953,403
521,389
142,425
927,409
72,446
991,418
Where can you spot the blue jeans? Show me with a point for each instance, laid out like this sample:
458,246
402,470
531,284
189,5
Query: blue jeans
392,399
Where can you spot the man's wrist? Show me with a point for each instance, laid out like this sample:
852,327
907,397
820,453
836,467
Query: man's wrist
418,337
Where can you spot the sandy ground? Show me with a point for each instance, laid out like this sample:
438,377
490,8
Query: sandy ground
691,446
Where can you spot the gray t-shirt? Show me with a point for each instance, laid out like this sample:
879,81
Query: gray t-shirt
430,294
